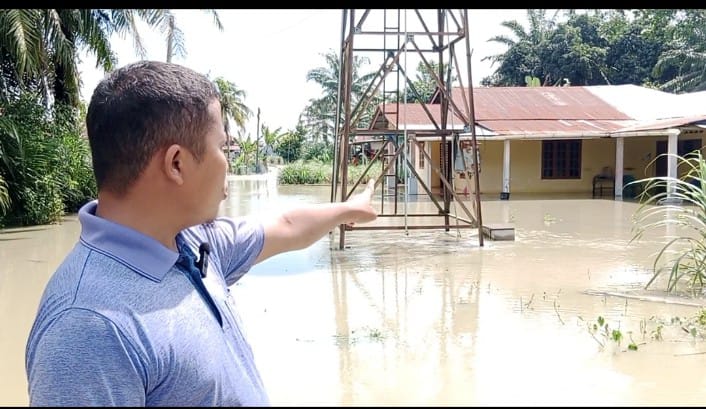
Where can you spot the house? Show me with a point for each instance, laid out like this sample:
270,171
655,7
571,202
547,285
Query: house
232,150
552,139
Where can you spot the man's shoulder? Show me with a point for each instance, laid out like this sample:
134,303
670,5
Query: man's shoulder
224,227
84,267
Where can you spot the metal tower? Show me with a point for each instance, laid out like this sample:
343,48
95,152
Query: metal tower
390,36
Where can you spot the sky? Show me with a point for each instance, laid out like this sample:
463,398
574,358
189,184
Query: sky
268,53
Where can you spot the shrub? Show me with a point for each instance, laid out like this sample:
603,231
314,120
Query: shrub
317,172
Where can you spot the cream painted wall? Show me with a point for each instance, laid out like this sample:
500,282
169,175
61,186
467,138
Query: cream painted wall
525,167
525,164
639,152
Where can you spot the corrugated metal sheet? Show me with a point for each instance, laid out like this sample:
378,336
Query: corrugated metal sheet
647,104
640,103
413,116
664,123
575,110
534,103
561,125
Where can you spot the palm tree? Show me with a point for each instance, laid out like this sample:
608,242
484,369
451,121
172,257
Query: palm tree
175,37
41,47
531,40
692,72
43,44
425,84
319,118
248,150
271,138
4,197
327,78
233,107
684,60
687,52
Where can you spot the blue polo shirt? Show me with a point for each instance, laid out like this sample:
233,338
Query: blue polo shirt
125,321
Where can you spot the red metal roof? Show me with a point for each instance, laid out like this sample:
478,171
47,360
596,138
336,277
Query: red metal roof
561,125
534,103
512,110
414,116
532,110
664,123
524,110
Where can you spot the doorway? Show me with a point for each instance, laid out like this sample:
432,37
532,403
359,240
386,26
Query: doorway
683,147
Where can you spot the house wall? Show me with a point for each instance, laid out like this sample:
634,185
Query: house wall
639,152
525,164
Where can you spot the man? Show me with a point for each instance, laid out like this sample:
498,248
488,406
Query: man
140,313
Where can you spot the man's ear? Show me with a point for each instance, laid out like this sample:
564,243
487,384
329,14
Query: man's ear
173,163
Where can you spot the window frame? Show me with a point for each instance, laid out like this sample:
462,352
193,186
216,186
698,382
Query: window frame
568,148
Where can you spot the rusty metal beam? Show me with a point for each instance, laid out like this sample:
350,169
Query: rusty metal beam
411,227
443,39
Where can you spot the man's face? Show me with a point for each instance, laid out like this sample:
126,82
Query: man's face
209,186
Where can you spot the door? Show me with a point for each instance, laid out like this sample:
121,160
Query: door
683,147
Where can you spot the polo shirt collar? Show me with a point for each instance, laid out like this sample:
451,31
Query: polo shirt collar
141,253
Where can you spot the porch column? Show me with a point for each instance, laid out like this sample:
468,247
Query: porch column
505,195
673,138
619,153
412,149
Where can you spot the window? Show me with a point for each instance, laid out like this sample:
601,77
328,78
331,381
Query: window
561,159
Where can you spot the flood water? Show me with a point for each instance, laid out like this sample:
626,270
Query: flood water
429,317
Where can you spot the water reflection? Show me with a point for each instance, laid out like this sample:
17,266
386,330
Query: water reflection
28,257
428,317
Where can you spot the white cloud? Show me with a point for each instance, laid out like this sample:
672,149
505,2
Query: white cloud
267,53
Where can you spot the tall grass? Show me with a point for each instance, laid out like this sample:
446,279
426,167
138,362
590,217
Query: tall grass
683,257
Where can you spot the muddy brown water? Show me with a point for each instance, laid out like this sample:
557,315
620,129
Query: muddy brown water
428,317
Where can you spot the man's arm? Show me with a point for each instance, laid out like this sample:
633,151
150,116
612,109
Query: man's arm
301,227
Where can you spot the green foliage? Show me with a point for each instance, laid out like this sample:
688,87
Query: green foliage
44,162
531,81
305,173
318,151
602,332
73,159
319,116
318,172
233,107
355,172
41,201
244,164
425,83
632,57
661,47
290,145
654,329
4,198
39,47
575,51
685,208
